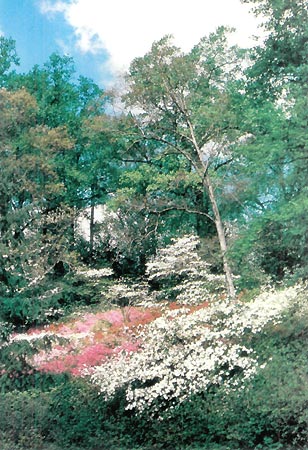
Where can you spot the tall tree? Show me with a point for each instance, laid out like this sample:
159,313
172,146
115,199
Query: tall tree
30,189
8,57
76,104
98,164
280,74
283,56
183,103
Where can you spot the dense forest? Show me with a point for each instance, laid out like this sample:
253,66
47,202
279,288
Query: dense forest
154,247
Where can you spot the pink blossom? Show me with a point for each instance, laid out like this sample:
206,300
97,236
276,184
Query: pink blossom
93,339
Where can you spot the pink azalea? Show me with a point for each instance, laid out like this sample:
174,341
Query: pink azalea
94,337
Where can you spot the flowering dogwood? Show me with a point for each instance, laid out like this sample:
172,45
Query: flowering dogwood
185,352
180,265
96,273
178,258
123,293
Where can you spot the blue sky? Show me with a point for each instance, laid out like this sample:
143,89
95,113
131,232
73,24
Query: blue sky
103,36
38,35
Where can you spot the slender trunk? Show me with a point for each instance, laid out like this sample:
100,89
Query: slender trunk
221,237
91,230
217,219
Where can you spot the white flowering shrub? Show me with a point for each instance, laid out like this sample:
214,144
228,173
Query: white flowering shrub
201,288
125,294
96,273
177,259
180,267
185,352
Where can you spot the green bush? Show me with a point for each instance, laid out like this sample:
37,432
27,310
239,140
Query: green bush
79,416
16,372
24,418
51,300
22,310
78,290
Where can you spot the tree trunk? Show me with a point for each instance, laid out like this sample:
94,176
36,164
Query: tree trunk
221,237
217,219
92,230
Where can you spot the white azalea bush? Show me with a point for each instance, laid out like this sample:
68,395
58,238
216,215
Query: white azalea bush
186,352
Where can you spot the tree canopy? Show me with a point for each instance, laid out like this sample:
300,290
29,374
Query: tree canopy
211,142
153,262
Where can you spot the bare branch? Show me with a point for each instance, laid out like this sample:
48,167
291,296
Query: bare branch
181,208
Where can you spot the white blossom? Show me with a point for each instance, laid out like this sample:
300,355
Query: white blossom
96,273
134,293
181,262
178,258
184,353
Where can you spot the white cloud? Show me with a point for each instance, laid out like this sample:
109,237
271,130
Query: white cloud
127,28
49,7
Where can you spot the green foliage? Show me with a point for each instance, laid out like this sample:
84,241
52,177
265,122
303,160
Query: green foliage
61,153
271,411
22,310
54,161
77,417
279,73
273,246
24,420
17,374
80,291
51,299
8,57
284,55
